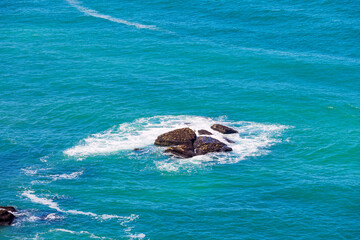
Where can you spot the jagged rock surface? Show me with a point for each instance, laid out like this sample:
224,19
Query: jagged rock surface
229,140
204,145
10,209
6,216
184,150
204,132
223,129
176,137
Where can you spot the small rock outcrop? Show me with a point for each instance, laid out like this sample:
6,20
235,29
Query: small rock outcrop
6,216
184,142
176,137
10,209
184,150
204,132
223,129
204,145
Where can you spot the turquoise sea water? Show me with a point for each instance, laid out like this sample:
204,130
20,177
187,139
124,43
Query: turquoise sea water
82,83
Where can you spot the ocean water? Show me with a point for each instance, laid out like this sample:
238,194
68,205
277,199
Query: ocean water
84,82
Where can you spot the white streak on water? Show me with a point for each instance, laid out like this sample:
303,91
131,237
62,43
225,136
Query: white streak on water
124,221
30,171
313,57
52,217
91,235
76,4
51,204
44,201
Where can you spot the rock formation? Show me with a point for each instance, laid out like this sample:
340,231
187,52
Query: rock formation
184,150
6,216
176,137
184,142
229,140
223,129
204,145
204,132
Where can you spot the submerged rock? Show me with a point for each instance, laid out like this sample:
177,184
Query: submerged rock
204,145
204,132
223,129
176,137
184,150
6,216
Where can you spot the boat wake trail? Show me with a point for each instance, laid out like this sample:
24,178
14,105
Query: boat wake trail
76,4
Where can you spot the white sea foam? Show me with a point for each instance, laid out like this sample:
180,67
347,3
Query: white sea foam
32,216
66,176
137,236
51,204
124,220
76,4
54,177
44,159
53,217
253,139
128,229
35,182
24,216
126,136
44,201
31,171
91,235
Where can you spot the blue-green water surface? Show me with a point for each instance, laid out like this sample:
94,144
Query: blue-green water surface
83,83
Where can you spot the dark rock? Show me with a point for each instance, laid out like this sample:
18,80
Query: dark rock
223,129
176,137
204,145
10,209
204,132
228,140
184,150
6,216
138,149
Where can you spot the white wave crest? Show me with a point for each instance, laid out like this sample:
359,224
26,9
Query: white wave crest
76,4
